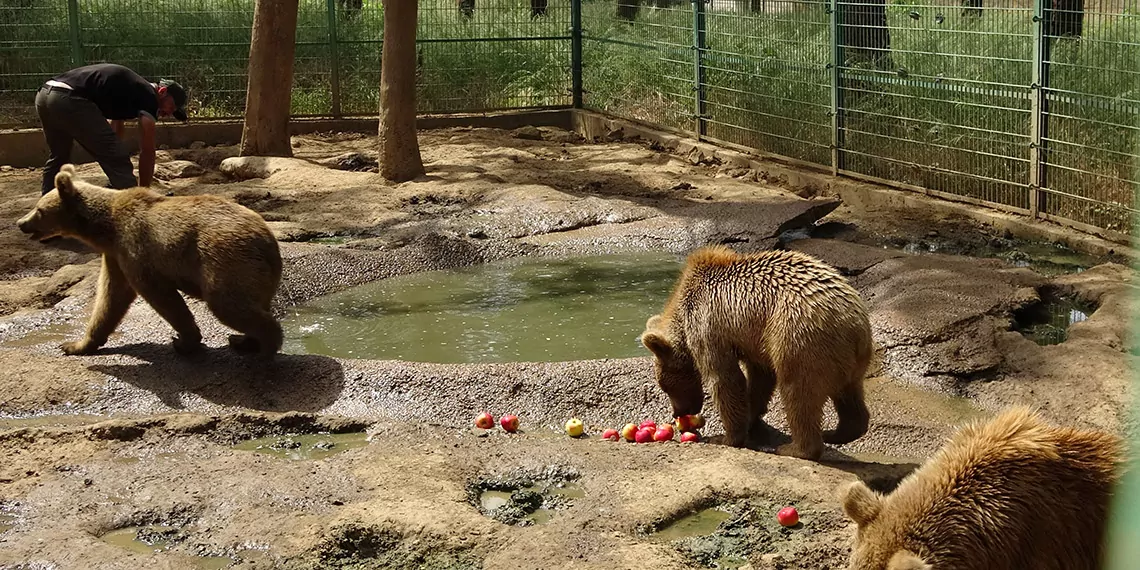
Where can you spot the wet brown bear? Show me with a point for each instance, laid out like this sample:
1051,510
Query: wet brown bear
790,320
1008,494
208,247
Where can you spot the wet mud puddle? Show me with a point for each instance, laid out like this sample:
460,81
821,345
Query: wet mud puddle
305,447
525,500
1048,321
701,523
152,539
521,310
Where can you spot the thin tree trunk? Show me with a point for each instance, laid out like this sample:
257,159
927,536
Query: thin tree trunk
399,148
271,50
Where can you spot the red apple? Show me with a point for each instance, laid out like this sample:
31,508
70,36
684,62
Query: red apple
691,422
629,432
648,424
644,435
611,434
510,423
664,433
690,437
788,516
485,421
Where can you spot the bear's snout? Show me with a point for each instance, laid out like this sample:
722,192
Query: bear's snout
25,223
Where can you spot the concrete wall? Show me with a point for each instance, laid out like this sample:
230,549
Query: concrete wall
26,148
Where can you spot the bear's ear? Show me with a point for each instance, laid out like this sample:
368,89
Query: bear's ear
654,323
861,504
65,183
907,560
657,344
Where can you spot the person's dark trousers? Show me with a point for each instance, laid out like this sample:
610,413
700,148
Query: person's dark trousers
67,117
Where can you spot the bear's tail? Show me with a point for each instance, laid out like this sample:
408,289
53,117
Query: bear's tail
64,180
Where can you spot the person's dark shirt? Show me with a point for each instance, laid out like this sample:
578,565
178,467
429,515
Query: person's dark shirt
120,93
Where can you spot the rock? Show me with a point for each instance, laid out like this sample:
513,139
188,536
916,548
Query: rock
197,145
247,167
177,169
561,136
528,133
366,161
5,168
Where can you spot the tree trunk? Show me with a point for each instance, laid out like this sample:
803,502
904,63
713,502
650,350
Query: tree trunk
271,49
399,147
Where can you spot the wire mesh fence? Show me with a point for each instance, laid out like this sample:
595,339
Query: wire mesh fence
473,55
1027,105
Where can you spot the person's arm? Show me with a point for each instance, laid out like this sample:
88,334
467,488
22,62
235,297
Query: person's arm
146,149
117,126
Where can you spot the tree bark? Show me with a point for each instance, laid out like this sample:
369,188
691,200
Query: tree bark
399,148
267,97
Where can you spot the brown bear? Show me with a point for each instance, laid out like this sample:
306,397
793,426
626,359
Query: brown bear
1009,494
208,247
741,325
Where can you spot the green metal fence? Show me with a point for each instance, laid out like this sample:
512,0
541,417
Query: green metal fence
1028,105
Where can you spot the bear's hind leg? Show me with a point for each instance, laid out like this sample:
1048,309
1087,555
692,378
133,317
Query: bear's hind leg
803,406
260,331
854,418
112,300
169,304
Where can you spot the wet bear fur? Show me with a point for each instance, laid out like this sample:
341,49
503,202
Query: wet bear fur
742,325
1012,493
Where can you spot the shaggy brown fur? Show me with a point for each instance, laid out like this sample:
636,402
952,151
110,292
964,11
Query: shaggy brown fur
790,320
1010,494
205,246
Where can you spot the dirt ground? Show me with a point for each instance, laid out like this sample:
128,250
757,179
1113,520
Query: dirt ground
136,436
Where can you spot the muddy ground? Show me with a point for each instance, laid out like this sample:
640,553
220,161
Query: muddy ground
136,436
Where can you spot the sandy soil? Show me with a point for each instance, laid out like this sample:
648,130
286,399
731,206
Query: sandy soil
137,436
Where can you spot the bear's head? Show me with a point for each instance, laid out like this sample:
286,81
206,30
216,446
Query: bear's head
878,542
70,210
676,374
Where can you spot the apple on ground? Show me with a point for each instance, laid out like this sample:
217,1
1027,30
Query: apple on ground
611,434
510,423
574,427
629,432
650,424
664,433
644,435
485,421
788,516
690,422
690,437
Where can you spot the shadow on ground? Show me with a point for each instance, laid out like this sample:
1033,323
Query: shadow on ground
304,383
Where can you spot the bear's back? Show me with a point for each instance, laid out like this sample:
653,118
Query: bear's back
773,283
1012,493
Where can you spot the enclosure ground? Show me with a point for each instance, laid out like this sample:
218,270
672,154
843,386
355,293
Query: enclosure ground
136,436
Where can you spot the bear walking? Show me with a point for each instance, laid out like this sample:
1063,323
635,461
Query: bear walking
792,322
1009,494
208,247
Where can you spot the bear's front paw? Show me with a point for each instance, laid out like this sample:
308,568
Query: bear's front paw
187,346
794,450
77,348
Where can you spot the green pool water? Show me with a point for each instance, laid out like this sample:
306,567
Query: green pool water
523,310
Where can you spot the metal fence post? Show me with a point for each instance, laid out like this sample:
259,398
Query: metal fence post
334,57
699,47
1037,109
576,52
836,66
73,32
